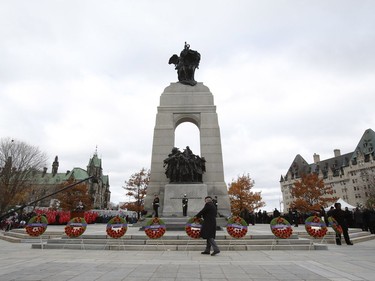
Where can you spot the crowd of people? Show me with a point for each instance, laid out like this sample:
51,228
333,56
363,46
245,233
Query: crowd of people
358,218
263,217
15,220
361,218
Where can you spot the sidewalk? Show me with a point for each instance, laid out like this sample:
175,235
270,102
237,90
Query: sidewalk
339,263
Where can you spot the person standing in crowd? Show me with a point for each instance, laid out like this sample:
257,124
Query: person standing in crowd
295,217
358,218
276,213
245,215
371,225
366,219
349,217
155,205
215,202
339,215
252,217
208,230
265,217
185,201
323,214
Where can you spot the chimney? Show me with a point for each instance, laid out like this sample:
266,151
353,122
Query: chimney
337,152
316,158
67,172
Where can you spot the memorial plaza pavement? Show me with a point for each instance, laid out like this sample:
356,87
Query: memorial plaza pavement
339,263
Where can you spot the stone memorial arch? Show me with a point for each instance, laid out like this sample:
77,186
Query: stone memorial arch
187,102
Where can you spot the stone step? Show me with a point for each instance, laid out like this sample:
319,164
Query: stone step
178,244
10,238
356,236
164,247
24,235
177,241
47,232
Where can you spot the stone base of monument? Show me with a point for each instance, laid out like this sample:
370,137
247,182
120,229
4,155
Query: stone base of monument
172,205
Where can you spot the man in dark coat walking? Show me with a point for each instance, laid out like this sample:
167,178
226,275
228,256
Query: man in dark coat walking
208,230
339,215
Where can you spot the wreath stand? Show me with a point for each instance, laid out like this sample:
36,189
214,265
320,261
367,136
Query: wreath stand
67,242
276,241
190,239
188,242
237,228
157,243
231,239
322,241
120,243
41,242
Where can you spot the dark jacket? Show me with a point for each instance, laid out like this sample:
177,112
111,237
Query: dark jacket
208,213
340,217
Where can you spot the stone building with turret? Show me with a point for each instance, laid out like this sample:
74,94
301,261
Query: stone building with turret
351,175
46,183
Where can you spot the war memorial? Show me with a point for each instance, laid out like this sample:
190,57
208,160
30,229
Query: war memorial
175,173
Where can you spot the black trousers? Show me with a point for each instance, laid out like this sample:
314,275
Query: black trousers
156,212
346,236
210,242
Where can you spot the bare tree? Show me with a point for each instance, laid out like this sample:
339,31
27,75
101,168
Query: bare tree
19,163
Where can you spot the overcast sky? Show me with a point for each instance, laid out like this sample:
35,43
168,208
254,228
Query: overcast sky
288,78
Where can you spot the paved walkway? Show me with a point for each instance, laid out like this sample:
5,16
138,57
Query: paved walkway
338,263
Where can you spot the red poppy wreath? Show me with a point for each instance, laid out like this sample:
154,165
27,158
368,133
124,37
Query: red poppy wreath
37,225
193,227
236,227
116,227
155,228
335,225
75,227
315,227
281,228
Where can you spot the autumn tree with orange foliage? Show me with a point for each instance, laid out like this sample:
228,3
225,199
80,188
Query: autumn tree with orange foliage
70,198
310,194
136,188
241,196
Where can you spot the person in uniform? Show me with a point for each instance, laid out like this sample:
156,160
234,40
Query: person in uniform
155,205
215,202
185,201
